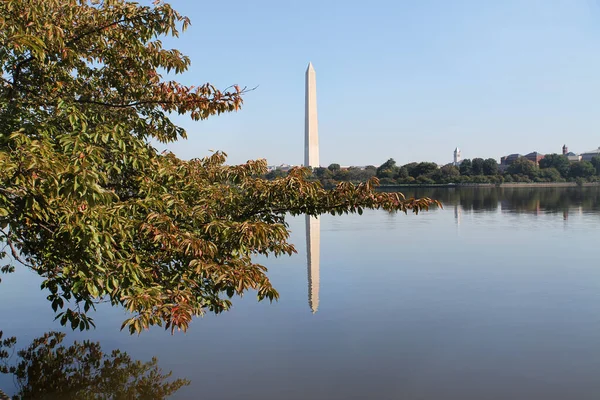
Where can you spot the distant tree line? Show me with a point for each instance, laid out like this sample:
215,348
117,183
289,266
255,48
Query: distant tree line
552,168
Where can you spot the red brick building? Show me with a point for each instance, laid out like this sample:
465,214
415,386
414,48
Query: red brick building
534,157
507,160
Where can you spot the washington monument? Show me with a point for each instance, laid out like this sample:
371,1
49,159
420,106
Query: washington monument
311,123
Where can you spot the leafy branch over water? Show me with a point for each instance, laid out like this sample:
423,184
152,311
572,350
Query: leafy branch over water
89,205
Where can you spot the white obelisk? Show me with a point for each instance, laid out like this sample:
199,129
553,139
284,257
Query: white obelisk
311,159
311,123
313,247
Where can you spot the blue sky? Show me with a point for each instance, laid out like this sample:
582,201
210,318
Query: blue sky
404,79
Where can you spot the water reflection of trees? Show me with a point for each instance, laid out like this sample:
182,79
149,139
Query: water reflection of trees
518,200
47,369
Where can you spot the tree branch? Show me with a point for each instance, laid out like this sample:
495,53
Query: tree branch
14,251
16,75
283,210
142,102
100,28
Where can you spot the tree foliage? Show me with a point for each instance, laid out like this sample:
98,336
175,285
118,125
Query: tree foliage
446,174
477,166
490,167
89,204
47,369
582,169
334,167
550,175
522,166
466,167
388,169
558,161
423,169
596,163
322,173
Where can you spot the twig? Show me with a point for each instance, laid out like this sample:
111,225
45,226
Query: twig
14,251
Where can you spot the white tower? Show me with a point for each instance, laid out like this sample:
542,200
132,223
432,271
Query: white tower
313,250
311,124
456,156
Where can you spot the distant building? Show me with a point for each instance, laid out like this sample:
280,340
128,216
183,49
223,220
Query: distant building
507,160
282,167
573,157
588,155
457,159
570,155
534,157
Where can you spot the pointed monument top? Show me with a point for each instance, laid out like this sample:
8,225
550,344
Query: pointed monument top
310,66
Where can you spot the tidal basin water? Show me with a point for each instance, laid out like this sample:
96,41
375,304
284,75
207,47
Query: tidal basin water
497,296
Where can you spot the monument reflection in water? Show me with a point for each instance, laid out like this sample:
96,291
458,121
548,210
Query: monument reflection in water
313,250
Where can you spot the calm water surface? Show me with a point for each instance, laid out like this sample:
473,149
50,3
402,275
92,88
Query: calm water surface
497,296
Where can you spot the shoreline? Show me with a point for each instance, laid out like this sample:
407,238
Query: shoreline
492,185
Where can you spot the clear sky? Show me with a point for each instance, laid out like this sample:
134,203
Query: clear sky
404,79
